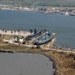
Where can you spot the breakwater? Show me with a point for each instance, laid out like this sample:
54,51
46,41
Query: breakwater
53,55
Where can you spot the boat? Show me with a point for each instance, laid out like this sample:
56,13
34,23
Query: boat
66,13
47,37
35,34
72,14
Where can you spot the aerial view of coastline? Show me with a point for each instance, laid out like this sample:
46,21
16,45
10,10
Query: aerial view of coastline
37,37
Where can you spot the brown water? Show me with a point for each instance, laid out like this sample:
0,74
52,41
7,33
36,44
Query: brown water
25,64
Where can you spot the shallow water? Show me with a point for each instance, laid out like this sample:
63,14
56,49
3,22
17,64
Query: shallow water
25,64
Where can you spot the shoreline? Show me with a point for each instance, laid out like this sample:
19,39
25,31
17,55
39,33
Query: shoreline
48,53
52,53
51,58
49,10
55,66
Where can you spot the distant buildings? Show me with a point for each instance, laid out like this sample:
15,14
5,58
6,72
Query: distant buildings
42,9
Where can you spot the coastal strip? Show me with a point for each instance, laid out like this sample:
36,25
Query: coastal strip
59,59
55,65
59,56
48,9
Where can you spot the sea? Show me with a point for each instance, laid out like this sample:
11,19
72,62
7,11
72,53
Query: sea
62,25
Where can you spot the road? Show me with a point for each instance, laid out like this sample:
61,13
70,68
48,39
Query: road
60,50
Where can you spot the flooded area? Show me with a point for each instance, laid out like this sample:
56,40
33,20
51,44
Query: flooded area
25,64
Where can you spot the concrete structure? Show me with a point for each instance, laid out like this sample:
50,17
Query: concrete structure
20,33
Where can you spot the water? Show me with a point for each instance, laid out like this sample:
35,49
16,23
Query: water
63,25
25,64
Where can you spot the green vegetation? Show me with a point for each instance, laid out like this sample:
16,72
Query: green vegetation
39,2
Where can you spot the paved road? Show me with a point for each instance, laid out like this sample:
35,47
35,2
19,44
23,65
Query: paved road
60,50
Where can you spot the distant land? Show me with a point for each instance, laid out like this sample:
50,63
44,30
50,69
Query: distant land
61,3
